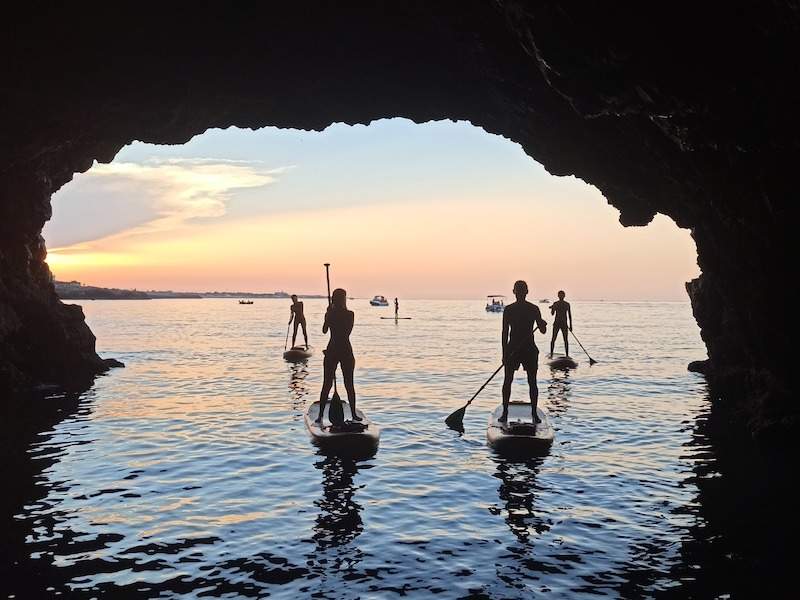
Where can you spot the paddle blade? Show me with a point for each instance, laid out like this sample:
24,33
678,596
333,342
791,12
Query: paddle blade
456,420
336,411
592,361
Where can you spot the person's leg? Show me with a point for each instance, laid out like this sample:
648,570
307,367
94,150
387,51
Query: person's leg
566,340
305,333
347,374
533,390
327,384
553,340
507,379
294,333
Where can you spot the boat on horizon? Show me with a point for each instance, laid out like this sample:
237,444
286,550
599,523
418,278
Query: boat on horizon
494,303
245,301
379,301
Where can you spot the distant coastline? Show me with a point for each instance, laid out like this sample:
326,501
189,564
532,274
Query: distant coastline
75,290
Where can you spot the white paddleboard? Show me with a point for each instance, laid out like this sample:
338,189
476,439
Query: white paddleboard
341,439
518,435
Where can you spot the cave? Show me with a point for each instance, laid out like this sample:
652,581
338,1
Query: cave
691,114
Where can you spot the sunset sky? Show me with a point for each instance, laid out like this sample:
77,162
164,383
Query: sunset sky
440,210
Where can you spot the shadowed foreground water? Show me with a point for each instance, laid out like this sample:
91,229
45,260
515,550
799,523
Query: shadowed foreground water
189,473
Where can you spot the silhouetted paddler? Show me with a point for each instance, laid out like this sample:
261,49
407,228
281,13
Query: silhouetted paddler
296,313
561,309
339,321
520,320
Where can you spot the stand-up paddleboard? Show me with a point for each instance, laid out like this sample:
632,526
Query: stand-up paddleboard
298,353
518,435
559,361
397,318
352,437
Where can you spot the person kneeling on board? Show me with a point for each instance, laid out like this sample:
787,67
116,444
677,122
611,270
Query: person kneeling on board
339,351
296,313
520,320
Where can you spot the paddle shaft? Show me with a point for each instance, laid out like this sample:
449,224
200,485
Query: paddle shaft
328,281
581,345
480,389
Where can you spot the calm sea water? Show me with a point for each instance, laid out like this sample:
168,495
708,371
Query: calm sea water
189,473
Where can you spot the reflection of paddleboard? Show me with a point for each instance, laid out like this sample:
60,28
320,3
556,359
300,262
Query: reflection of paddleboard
518,435
356,437
397,318
560,361
298,353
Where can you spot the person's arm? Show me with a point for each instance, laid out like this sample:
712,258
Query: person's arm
504,339
552,309
540,322
325,323
291,313
569,313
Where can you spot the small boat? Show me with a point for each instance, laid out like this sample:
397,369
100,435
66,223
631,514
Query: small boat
298,353
544,301
559,361
379,301
494,303
245,301
351,437
519,435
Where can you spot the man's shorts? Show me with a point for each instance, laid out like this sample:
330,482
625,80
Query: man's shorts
527,357
560,327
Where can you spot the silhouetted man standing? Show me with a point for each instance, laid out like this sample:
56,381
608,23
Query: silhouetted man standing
520,320
561,310
396,308
296,313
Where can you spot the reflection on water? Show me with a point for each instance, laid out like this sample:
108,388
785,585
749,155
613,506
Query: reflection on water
339,519
518,493
190,474
298,388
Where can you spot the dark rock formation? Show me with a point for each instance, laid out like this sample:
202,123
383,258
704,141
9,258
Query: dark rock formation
690,111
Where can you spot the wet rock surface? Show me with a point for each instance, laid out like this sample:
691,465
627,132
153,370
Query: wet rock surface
691,114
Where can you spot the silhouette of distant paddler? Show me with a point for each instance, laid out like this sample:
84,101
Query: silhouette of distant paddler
396,308
296,314
339,321
561,310
520,320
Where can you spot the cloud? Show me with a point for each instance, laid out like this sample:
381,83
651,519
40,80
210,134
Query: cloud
127,199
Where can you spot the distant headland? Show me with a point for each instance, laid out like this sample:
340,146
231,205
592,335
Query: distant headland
75,290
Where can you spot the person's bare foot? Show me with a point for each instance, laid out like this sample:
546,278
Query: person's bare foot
318,421
536,419
356,417
503,418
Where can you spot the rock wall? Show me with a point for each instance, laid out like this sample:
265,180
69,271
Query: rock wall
690,112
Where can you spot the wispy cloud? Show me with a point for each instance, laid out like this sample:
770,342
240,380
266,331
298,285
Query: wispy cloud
163,194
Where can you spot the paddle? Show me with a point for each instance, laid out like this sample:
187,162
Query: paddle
591,360
456,419
336,411
286,343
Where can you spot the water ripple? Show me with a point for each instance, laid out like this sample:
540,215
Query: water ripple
189,473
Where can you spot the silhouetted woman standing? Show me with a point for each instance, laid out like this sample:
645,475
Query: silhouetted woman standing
339,352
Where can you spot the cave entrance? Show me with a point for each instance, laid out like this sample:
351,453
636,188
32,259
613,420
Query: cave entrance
435,210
